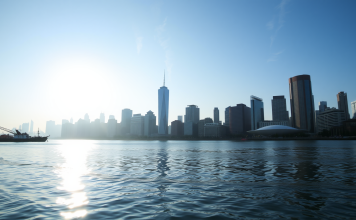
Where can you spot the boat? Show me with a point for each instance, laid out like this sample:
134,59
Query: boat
20,137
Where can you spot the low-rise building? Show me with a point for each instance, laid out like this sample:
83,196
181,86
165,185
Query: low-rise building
177,128
331,117
214,130
201,126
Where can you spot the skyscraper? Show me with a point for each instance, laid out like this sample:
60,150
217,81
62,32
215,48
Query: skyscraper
102,118
50,127
216,115
301,102
149,124
279,109
239,119
257,111
353,108
191,120
126,115
31,127
342,104
86,117
25,127
322,106
163,103
180,118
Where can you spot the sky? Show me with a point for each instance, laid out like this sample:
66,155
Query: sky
62,59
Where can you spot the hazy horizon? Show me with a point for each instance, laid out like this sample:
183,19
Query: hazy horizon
63,59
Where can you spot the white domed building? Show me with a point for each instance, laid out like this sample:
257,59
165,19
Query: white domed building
276,130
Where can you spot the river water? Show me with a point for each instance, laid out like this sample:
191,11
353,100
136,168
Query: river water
83,179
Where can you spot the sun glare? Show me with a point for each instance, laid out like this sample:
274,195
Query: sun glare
75,155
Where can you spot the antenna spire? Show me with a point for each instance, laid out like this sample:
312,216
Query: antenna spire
164,78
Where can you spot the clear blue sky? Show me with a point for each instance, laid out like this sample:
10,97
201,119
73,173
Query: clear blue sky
62,59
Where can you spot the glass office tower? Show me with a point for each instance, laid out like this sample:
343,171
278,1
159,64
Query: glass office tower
302,102
257,112
163,103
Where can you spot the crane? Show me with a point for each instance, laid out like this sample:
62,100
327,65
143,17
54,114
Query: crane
10,131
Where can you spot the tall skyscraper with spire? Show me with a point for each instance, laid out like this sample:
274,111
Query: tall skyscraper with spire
163,103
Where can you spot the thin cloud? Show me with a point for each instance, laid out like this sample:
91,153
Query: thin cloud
139,44
274,56
277,22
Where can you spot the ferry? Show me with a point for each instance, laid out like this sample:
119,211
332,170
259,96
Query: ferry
20,137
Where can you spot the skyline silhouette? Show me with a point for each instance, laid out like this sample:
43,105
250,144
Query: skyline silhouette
61,60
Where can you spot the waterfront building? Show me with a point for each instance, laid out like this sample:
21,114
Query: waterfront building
177,128
302,102
191,120
343,104
331,117
276,130
111,127
137,125
126,115
214,130
262,124
279,108
239,119
316,119
227,116
180,118
216,115
257,111
102,118
201,124
150,124
163,104
50,128
353,108
86,117
322,106
68,130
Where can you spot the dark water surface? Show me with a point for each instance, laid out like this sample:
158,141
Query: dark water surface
178,179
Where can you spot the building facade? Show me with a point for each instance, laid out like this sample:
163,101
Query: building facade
102,118
353,109
137,125
322,106
257,111
177,128
216,115
201,126
111,128
302,102
214,130
330,118
279,108
180,118
343,104
191,120
149,124
163,104
239,119
126,115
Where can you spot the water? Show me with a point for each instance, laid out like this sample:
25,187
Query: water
178,179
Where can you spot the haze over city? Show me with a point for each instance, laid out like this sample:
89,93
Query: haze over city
63,59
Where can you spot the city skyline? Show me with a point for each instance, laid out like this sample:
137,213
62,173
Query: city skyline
63,62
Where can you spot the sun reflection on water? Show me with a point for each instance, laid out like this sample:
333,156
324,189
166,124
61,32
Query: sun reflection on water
75,155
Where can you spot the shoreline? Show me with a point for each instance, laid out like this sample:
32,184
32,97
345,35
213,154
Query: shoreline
208,139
